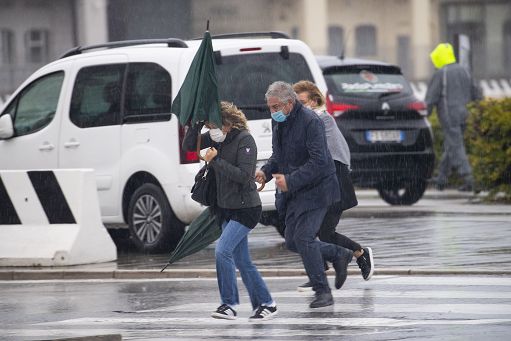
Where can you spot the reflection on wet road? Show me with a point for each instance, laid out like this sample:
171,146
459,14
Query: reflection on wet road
399,241
384,308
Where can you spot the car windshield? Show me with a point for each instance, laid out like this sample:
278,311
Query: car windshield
366,82
244,79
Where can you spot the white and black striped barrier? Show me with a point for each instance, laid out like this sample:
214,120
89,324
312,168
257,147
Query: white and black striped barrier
51,218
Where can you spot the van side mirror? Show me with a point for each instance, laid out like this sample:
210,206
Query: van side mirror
6,127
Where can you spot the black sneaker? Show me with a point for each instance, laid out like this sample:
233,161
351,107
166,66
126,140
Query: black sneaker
322,300
341,267
263,313
305,287
224,312
366,264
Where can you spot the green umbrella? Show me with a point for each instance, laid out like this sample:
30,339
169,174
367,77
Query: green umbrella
203,231
197,99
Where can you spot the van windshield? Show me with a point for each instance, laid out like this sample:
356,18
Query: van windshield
244,79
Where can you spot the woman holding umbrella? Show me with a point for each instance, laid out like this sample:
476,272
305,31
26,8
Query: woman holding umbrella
232,154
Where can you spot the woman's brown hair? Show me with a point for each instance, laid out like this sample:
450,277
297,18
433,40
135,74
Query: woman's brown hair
232,116
313,91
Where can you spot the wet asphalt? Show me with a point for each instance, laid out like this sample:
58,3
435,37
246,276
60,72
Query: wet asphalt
445,232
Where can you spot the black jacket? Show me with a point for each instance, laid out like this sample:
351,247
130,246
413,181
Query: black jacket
234,167
300,152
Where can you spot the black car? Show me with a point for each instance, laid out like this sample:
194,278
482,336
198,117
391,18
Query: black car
389,136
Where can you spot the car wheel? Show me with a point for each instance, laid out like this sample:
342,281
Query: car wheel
406,193
153,226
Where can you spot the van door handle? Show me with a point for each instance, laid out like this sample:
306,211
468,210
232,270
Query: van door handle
71,144
46,146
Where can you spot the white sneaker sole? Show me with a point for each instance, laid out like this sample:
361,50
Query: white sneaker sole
222,316
372,263
266,318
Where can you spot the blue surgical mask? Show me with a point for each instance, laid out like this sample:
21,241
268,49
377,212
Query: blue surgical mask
278,116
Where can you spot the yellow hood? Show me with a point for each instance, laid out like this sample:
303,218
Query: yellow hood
442,55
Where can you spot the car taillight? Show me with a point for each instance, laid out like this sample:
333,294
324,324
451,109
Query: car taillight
418,106
337,109
186,156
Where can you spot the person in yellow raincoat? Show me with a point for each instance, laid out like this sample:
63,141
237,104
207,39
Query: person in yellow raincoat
450,90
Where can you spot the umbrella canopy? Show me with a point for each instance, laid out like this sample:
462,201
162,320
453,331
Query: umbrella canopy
197,99
202,231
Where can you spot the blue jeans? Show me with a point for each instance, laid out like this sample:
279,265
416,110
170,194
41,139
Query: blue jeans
301,231
231,252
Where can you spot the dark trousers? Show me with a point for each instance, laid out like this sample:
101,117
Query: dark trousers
327,231
301,231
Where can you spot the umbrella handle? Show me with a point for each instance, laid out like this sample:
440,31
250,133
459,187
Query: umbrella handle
260,187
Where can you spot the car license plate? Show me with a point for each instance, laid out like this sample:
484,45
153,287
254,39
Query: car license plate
384,135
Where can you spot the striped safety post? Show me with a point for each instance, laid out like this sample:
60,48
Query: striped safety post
51,218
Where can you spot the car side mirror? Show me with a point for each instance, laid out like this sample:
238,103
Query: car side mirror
6,127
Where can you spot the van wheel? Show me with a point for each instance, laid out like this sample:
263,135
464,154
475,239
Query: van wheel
153,226
406,193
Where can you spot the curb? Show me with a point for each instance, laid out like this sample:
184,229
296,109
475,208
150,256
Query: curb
25,275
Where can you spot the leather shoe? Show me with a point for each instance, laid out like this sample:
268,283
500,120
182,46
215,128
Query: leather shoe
341,267
322,300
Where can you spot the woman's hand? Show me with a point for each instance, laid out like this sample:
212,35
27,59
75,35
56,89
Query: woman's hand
210,154
260,177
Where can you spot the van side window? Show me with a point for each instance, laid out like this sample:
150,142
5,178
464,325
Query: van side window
148,93
35,107
96,99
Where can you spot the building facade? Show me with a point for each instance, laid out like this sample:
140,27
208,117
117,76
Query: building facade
403,32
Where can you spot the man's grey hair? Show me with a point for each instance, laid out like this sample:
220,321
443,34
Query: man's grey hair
282,90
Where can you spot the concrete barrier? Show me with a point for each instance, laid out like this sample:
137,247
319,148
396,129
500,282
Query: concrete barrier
51,218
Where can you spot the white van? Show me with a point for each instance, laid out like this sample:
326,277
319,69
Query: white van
108,107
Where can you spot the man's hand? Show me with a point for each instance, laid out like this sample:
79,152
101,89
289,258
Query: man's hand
210,154
280,182
260,177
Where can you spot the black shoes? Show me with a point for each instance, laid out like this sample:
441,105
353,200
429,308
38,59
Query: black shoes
263,313
341,267
322,300
366,264
439,186
305,287
224,312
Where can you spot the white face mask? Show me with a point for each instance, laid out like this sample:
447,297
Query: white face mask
217,135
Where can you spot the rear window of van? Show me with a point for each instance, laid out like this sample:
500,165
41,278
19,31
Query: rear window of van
244,79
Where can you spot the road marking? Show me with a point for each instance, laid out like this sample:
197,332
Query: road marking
341,321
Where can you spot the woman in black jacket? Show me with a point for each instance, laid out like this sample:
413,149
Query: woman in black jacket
232,154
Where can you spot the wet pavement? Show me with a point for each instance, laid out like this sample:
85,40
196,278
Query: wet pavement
446,231
384,308
464,243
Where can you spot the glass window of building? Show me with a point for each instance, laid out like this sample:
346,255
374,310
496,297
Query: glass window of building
36,44
6,46
335,40
365,37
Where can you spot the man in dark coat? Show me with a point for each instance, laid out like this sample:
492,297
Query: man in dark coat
450,90
304,174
